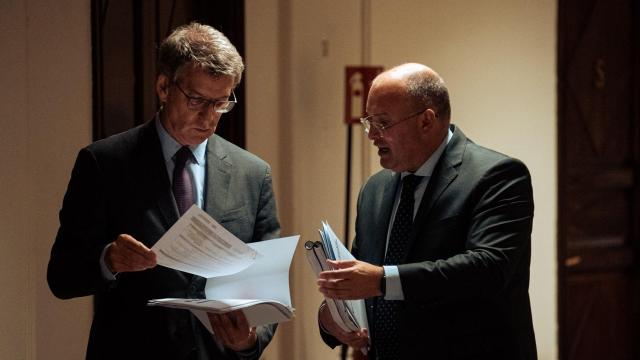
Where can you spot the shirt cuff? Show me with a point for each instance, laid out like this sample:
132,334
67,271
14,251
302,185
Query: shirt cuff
393,286
106,273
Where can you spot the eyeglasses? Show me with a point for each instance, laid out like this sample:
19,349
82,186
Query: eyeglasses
197,103
371,121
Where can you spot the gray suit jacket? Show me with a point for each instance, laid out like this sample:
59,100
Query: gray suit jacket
120,185
466,274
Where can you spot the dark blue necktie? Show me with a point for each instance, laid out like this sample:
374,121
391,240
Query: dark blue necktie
182,184
388,312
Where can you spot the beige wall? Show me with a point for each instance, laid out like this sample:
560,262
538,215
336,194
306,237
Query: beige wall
498,58
45,112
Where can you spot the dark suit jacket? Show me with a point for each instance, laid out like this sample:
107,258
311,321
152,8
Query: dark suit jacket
465,278
120,185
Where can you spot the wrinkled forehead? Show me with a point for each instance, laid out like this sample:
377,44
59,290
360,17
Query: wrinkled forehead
387,97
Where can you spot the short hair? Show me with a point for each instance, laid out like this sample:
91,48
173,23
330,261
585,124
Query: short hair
201,46
429,89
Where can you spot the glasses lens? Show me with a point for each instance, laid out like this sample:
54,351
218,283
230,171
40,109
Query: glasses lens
223,106
196,103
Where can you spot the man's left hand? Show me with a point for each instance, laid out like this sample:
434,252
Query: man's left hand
352,279
233,330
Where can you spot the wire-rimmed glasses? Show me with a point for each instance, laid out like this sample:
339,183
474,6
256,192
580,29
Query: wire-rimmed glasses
380,126
197,103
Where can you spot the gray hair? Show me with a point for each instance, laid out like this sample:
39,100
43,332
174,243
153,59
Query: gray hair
427,88
201,46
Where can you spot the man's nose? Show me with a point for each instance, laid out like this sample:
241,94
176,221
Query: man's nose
374,133
209,112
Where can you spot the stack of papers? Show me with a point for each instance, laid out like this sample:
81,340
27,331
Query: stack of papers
350,315
253,278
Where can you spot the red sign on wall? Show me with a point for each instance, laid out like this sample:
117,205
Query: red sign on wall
357,84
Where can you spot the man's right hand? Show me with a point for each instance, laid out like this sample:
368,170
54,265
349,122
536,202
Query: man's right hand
355,339
127,254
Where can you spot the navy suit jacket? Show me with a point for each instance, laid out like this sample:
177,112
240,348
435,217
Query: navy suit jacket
120,185
465,277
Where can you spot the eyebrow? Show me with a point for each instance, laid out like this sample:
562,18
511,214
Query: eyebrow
376,114
198,95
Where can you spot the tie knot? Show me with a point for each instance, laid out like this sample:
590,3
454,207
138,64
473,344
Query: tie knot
409,182
183,155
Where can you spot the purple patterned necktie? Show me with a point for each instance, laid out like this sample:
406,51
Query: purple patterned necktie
182,184
388,312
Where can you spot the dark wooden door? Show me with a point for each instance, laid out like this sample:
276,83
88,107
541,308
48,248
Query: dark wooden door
599,179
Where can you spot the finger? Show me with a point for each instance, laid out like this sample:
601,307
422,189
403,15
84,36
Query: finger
340,294
240,321
119,265
233,336
353,339
337,274
126,260
131,250
117,262
128,242
332,283
343,294
133,258
127,266
218,328
359,339
341,264
359,343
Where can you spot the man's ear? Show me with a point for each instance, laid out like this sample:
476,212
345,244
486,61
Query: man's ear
431,115
428,119
162,87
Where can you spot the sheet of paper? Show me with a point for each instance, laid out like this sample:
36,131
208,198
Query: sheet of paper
317,259
338,250
197,244
261,291
266,278
257,312
349,314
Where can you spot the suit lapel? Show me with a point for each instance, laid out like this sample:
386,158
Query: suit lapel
381,227
218,179
444,173
154,173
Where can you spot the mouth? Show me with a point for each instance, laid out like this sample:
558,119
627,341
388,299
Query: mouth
383,150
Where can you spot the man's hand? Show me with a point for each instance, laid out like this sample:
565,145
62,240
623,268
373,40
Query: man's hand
128,254
233,330
352,280
356,339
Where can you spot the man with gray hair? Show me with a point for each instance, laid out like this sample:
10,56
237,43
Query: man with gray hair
127,190
443,236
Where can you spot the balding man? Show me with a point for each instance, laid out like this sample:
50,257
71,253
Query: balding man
443,235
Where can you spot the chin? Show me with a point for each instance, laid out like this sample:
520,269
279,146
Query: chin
386,165
200,137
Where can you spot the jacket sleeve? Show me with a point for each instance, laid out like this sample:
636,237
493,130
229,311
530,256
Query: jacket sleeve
266,227
74,265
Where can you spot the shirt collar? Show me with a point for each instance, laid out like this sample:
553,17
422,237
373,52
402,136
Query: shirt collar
426,169
170,146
